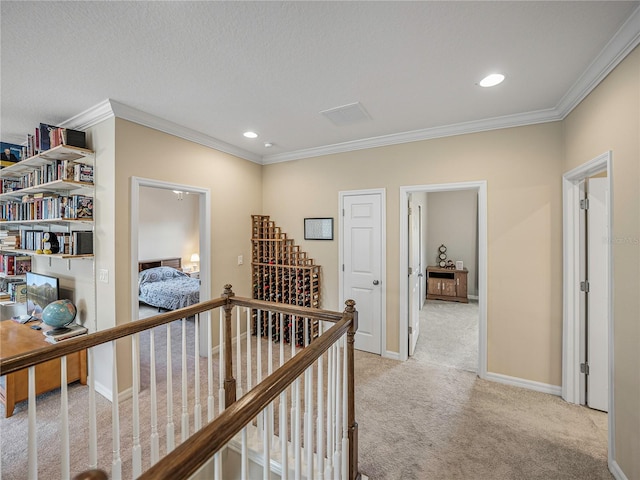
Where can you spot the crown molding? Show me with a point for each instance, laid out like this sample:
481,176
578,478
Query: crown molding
111,108
622,43
495,123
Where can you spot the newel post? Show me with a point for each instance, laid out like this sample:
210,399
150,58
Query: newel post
350,311
229,381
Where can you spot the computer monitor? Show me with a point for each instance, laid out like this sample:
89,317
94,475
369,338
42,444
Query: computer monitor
41,291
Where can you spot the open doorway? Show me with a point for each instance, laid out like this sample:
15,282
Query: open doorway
144,191
409,195
588,322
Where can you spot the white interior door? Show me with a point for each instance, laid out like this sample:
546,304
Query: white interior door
362,257
597,296
415,270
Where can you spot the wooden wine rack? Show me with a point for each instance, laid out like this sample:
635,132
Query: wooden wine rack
284,274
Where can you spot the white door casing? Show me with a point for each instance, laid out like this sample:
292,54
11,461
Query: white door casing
596,298
414,275
362,271
571,327
481,187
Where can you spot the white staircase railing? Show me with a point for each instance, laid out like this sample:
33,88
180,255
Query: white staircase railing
300,399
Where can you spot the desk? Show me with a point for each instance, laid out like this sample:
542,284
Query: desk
16,338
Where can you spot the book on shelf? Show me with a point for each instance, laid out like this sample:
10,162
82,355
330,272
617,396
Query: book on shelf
55,335
51,136
10,153
82,242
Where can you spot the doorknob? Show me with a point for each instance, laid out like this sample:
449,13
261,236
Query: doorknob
376,282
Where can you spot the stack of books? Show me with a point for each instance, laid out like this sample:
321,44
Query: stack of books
55,335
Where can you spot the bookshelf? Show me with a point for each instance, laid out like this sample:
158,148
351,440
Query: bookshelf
282,273
51,191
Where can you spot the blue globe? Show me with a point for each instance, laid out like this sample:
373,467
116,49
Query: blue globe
59,313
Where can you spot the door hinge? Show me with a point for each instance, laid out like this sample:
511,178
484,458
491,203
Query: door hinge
343,267
343,212
584,368
584,204
584,286
409,210
410,330
410,271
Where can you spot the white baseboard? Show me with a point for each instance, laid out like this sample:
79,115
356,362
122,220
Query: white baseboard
523,383
473,297
216,349
616,471
102,390
391,355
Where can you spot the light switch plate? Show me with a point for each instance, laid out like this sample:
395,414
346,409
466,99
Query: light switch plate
240,260
103,275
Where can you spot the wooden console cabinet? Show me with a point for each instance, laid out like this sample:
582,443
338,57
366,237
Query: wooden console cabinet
447,284
15,339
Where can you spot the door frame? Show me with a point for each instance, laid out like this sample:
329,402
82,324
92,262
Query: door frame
572,327
481,188
383,261
204,238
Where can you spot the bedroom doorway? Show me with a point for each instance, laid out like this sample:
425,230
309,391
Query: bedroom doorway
165,198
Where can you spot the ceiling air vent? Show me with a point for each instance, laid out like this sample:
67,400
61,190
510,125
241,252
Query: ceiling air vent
347,114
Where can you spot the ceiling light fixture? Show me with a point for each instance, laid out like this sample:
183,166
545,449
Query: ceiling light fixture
491,80
250,134
268,144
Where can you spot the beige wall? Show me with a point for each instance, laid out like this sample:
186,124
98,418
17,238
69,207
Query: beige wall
609,119
453,221
522,166
235,186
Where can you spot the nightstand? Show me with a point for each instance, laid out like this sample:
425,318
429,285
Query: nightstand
195,274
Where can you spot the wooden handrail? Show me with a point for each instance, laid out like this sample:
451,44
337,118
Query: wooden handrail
306,312
201,447
189,456
72,345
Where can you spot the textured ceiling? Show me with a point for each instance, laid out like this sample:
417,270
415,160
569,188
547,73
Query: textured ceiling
221,68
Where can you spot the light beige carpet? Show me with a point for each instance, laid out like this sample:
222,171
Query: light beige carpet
417,420
449,334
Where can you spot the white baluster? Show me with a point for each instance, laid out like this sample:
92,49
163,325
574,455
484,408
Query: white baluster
211,403
297,444
320,417
328,474
345,409
270,343
217,466
93,429
64,419
155,438
116,464
238,356
197,408
185,401
284,440
136,452
337,424
170,426
244,458
266,444
32,435
308,419
281,324
294,326
221,364
259,368
249,360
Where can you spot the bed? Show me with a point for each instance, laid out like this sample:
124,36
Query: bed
162,284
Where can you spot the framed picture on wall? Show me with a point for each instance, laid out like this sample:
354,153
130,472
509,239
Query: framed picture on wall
318,228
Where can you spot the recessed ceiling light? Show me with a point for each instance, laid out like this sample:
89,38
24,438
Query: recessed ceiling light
491,80
268,144
250,134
